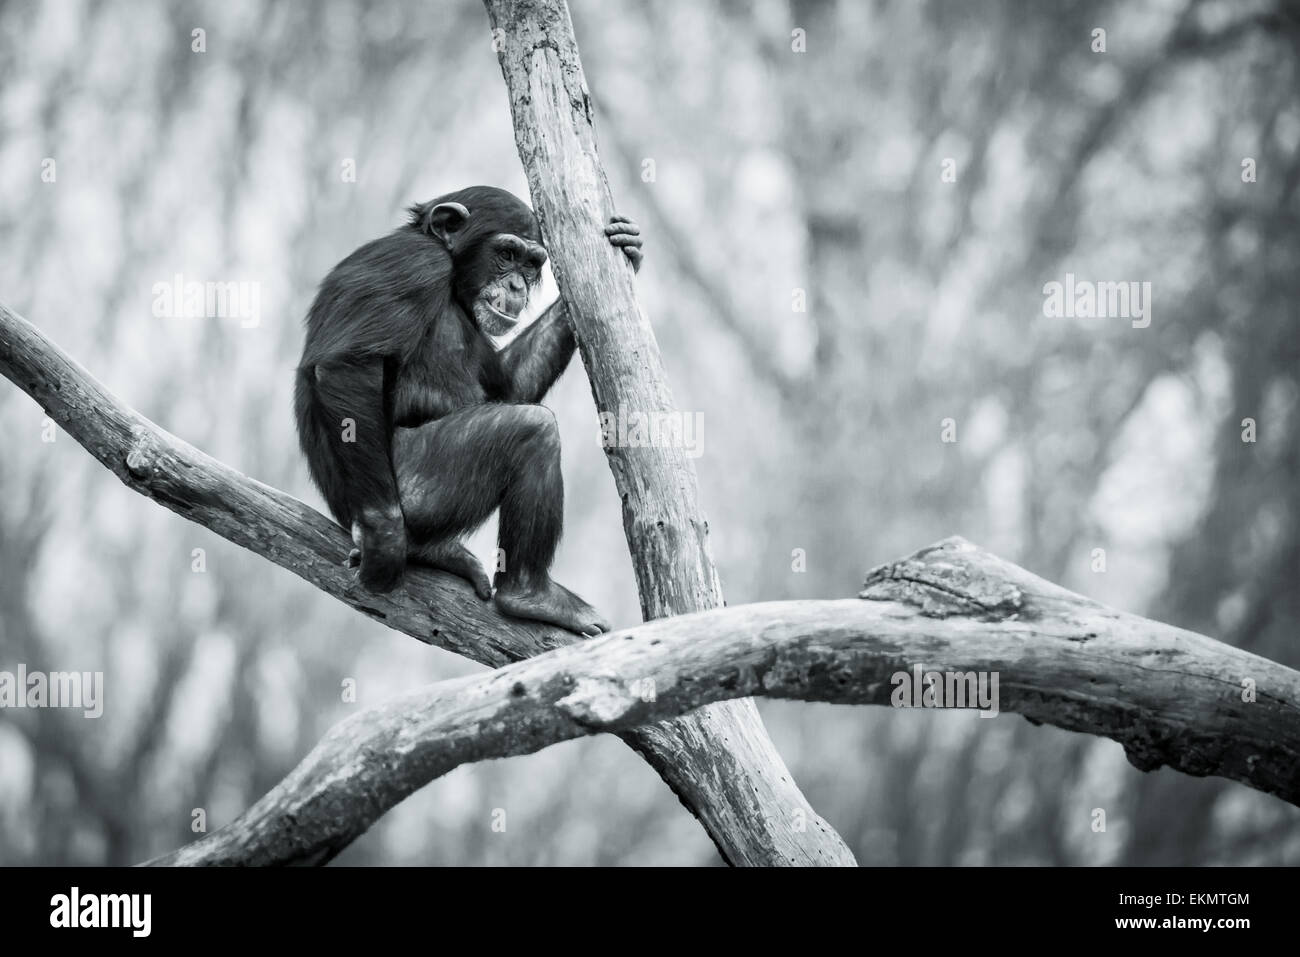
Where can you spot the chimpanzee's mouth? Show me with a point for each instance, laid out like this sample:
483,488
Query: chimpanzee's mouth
493,321
503,316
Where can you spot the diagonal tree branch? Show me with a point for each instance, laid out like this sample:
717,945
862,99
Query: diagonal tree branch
725,768
431,606
1169,696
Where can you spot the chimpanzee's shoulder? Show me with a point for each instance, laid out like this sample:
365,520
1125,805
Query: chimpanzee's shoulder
393,266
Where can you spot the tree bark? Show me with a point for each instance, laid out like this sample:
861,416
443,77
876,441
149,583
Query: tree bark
1167,695
434,607
725,767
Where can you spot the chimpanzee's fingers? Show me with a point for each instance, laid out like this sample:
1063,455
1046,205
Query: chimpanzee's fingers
623,239
621,224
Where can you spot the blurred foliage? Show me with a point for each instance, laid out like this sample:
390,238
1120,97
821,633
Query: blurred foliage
774,170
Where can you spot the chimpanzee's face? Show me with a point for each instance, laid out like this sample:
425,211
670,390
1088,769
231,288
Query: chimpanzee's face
495,248
504,272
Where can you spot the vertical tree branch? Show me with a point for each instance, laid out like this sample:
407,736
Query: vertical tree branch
719,761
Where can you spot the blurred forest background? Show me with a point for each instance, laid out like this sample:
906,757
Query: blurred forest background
774,170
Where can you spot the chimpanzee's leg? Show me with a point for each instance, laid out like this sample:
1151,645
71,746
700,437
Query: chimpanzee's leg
343,433
452,556
449,556
452,474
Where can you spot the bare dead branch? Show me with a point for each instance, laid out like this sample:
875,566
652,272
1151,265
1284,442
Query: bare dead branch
1170,697
432,606
727,770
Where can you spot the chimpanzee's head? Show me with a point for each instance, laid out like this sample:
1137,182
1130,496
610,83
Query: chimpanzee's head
496,251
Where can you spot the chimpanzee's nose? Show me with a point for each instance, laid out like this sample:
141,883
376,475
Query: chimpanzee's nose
515,283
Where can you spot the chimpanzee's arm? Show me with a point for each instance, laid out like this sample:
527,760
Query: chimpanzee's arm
537,357
542,351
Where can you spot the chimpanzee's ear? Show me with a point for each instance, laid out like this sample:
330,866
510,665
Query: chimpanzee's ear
445,219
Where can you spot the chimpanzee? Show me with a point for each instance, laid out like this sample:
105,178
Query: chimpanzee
416,427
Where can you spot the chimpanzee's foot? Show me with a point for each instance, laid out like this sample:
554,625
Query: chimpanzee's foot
551,603
380,535
455,558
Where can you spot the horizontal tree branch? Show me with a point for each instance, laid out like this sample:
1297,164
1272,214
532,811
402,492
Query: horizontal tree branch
1170,697
701,757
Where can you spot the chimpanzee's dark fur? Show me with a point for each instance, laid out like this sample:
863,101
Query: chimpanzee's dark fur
444,428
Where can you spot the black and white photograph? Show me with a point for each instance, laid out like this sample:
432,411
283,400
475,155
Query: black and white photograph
513,434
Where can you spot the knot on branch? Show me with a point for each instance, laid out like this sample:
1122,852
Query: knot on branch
152,465
950,578
598,701
141,456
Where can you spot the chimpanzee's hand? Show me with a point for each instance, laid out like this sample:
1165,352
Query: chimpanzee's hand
381,537
627,234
